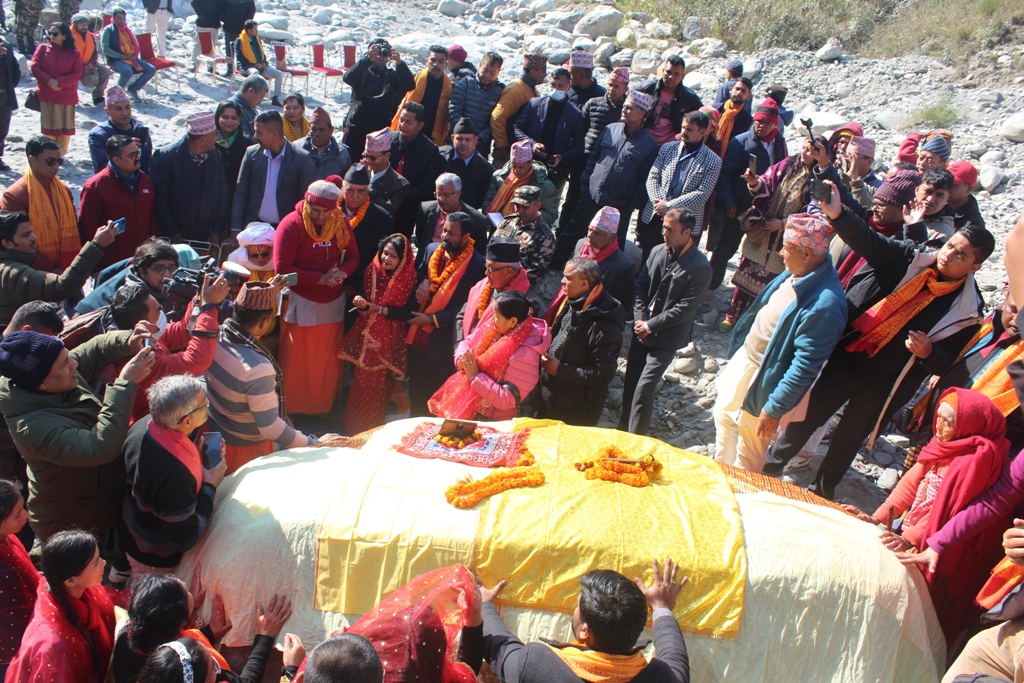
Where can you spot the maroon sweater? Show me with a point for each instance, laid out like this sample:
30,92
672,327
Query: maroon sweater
296,252
63,65
105,197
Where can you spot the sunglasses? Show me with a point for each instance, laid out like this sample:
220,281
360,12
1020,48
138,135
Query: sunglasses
55,162
53,34
259,254
372,157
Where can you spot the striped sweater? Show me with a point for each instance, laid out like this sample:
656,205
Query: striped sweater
244,401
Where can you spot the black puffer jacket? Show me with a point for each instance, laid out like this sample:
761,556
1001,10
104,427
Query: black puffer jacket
476,102
597,114
587,359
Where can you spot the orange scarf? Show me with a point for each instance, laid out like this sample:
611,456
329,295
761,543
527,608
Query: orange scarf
994,381
54,222
129,45
594,293
599,667
884,320
198,636
440,133
507,191
85,44
442,288
334,228
725,123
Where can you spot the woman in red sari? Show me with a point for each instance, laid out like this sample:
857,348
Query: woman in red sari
71,635
18,577
376,343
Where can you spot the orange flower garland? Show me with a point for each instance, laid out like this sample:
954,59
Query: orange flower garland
468,494
611,464
358,216
457,443
433,266
485,298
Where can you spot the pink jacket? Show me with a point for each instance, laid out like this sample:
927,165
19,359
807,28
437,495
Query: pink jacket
64,65
523,372
521,283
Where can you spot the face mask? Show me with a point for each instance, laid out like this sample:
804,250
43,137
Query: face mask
161,325
558,95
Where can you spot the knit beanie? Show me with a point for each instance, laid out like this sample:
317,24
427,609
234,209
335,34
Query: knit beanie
938,146
898,188
324,193
768,110
27,357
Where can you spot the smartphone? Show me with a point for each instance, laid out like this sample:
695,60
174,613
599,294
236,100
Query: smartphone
752,164
149,343
291,279
142,132
120,225
820,191
211,450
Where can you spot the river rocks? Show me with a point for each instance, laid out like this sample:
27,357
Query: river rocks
272,21
546,45
1013,128
452,8
660,29
829,52
990,177
622,58
992,157
698,81
887,119
844,89
321,16
603,21
563,20
695,27
752,68
685,366
707,48
645,63
275,34
711,365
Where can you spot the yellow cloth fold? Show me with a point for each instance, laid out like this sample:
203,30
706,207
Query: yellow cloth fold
293,135
440,132
246,45
54,222
599,667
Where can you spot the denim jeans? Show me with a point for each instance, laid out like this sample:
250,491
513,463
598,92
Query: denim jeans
125,70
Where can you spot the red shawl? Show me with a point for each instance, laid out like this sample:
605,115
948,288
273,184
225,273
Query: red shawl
586,252
375,342
18,582
181,447
976,456
53,651
414,629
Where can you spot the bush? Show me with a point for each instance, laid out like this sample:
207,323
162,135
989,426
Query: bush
938,115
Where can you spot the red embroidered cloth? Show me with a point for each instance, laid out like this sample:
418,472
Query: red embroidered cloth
494,449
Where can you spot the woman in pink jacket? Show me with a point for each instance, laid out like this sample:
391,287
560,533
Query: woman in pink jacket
57,68
498,364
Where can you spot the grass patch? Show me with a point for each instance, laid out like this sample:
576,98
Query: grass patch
966,27
938,115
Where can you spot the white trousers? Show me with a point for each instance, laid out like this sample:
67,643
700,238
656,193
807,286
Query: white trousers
159,21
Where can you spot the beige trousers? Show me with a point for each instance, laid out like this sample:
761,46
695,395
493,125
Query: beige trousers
997,651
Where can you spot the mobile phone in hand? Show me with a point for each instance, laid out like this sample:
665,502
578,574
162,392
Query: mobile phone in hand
120,223
820,191
142,132
752,164
211,450
291,279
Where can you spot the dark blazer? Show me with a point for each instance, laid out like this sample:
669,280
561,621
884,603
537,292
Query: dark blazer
667,295
427,219
296,175
732,188
375,226
389,191
514,662
685,101
569,139
232,156
618,274
10,63
168,187
376,94
440,346
421,164
476,175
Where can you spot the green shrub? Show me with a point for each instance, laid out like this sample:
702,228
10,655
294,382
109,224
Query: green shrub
938,115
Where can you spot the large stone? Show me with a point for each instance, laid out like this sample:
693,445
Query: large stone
603,54
844,89
825,121
275,34
685,366
563,20
990,177
696,80
829,52
624,35
710,47
272,20
752,68
542,6
585,44
695,27
546,45
992,157
558,57
603,21
415,45
552,31
622,58
321,16
888,119
660,29
1013,127
645,63
452,8
524,14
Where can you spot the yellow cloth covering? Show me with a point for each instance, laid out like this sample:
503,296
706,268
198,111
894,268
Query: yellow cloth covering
690,515
824,601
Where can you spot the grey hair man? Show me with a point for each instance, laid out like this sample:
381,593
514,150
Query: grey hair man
250,95
447,201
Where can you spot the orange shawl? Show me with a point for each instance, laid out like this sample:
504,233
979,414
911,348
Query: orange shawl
507,190
440,133
725,123
994,381
86,45
417,336
600,667
54,221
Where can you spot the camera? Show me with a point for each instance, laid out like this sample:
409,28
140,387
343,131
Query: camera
384,47
185,283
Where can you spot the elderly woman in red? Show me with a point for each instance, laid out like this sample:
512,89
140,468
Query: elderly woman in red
18,577
963,459
57,68
316,243
376,343
71,635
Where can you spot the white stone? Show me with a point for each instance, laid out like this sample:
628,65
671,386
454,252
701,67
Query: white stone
603,54
888,119
622,58
452,8
992,157
563,20
524,14
990,177
545,44
645,63
542,6
694,28
687,351
844,89
275,34
585,44
710,365
321,16
558,57
708,48
752,68
825,121
660,29
829,52
1013,128
890,477
685,366
696,80
603,21
624,35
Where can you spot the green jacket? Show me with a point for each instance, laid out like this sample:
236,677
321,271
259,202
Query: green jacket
21,283
72,442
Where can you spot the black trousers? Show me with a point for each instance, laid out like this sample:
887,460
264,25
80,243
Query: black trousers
428,370
5,126
725,248
650,235
644,367
835,387
714,229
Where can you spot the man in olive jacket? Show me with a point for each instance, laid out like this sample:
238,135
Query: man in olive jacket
70,438
21,283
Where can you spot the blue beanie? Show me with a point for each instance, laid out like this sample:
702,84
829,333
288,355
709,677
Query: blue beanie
27,357
937,145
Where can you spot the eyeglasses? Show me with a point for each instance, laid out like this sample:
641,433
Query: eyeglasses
161,269
372,157
135,155
53,34
490,270
260,254
194,410
442,195
54,162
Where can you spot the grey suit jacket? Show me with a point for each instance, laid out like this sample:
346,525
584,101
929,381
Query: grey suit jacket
667,293
389,190
296,175
698,186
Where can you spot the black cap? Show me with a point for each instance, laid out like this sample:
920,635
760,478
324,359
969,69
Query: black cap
465,126
503,250
357,175
778,93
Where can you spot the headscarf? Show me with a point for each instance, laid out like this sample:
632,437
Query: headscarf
255,234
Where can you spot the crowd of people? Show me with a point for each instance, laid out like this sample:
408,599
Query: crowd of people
207,292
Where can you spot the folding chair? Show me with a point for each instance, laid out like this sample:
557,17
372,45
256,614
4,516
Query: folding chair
281,55
159,63
321,68
209,56
108,19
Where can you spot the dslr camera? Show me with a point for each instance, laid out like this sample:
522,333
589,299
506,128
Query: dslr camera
185,283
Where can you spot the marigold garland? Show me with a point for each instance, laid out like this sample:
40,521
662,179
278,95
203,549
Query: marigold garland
433,266
468,494
485,298
612,464
457,443
358,216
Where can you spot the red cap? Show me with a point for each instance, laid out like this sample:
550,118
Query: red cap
964,172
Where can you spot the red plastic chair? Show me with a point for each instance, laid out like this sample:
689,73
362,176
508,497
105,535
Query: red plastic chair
281,55
108,19
209,56
326,72
159,63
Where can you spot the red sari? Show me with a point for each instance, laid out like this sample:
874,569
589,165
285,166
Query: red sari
53,651
975,455
376,345
18,582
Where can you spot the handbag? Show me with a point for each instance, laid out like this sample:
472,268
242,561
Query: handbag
32,101
752,224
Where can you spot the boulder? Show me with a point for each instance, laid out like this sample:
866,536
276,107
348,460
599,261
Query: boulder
321,16
990,177
694,28
685,366
276,34
829,52
752,68
825,121
542,6
888,119
992,157
624,35
1013,128
660,29
602,21
622,58
709,47
558,57
695,80
585,44
645,63
553,31
271,20
603,54
524,15
545,45
490,7
415,45
563,20
452,8
844,89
